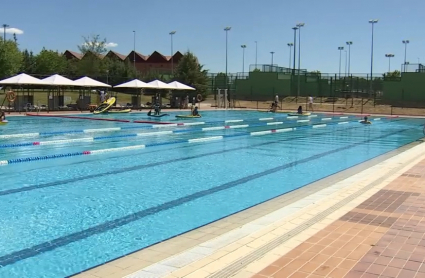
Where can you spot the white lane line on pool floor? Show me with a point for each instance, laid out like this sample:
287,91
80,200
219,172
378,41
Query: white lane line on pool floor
287,213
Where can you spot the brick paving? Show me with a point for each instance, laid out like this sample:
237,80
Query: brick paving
382,237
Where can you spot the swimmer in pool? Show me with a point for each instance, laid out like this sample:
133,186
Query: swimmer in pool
195,111
150,112
365,121
300,110
2,116
157,109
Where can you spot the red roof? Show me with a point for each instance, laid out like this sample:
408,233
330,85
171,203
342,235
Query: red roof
123,57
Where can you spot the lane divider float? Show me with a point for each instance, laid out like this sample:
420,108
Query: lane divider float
78,118
146,134
137,147
113,129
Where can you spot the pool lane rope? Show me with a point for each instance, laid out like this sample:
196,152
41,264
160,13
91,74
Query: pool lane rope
113,129
78,118
144,134
138,147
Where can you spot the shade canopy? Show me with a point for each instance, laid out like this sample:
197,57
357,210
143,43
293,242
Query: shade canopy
156,84
88,82
135,84
180,86
22,79
58,80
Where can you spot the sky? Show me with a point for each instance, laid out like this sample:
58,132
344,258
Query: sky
199,24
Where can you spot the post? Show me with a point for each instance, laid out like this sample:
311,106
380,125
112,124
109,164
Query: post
373,22
172,54
256,48
299,25
227,29
225,99
134,50
4,33
218,98
293,68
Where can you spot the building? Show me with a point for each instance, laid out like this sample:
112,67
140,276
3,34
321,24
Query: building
144,63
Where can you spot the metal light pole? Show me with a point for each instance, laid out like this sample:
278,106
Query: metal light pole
405,42
389,56
373,22
290,53
134,50
172,54
295,50
4,32
272,53
345,72
256,52
243,57
299,25
349,43
227,29
340,48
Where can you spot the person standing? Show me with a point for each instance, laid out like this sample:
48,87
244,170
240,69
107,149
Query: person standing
310,103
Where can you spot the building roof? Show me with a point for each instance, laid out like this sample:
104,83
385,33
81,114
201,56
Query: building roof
154,54
74,54
116,54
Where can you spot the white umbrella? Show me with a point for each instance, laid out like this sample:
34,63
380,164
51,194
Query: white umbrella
58,80
22,79
180,86
136,84
156,84
88,82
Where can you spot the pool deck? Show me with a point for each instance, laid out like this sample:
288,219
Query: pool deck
366,221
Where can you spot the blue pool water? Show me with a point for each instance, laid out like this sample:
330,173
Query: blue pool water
62,216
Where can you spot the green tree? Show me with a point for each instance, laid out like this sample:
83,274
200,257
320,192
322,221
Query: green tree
220,80
190,72
28,62
10,58
395,75
93,48
93,44
50,62
256,70
117,70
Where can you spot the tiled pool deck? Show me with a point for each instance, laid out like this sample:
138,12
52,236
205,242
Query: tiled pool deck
367,221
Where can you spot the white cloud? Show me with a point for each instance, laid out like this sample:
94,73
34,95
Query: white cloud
13,31
111,44
107,45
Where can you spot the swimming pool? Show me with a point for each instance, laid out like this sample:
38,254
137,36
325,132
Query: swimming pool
73,198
